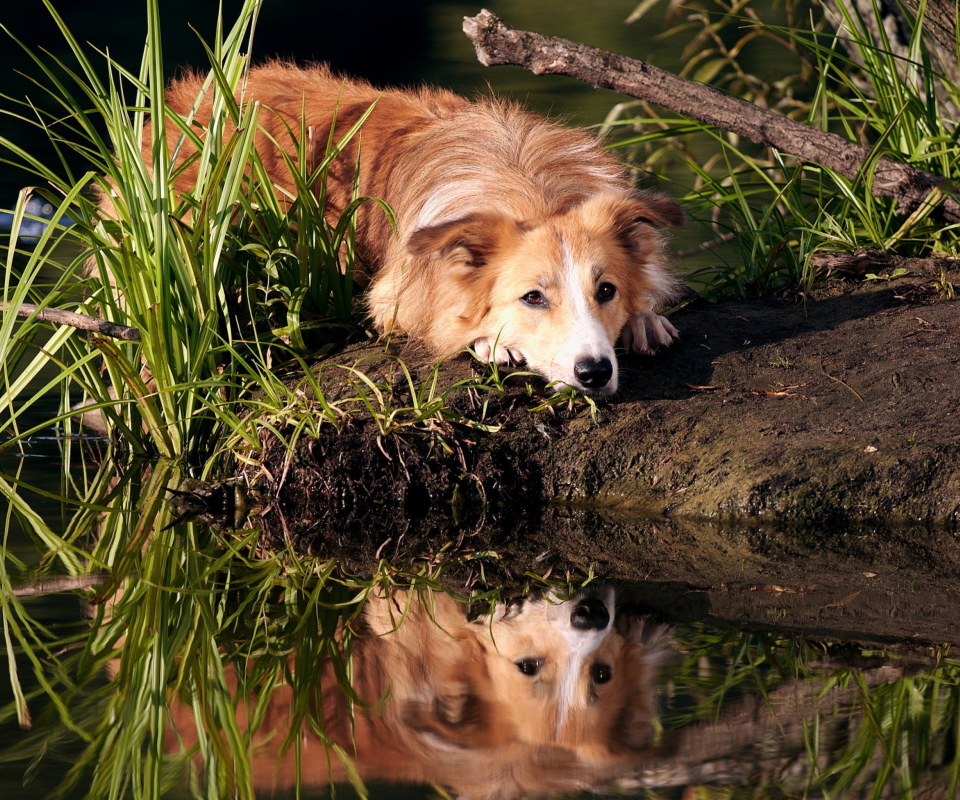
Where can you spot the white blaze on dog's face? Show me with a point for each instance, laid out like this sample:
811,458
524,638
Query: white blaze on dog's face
557,294
574,676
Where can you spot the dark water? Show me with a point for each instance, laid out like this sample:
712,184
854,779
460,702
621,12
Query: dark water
591,667
686,685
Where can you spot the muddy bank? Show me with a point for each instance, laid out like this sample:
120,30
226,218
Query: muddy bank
840,409
843,408
786,466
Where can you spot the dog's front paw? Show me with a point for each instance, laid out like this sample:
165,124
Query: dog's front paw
646,331
487,350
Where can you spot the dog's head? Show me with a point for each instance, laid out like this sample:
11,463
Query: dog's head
573,674
552,293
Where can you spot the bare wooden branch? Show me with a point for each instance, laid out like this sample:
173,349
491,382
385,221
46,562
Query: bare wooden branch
498,43
860,262
53,584
81,321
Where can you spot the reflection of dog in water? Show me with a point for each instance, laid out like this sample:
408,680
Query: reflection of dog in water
545,695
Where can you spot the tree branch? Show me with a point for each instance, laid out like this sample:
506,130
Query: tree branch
81,321
864,260
498,43
53,584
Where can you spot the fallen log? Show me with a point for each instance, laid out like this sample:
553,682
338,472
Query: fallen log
498,43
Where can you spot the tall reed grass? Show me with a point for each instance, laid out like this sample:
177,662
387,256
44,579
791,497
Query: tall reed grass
766,213
177,617
221,280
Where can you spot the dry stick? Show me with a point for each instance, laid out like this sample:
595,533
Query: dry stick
498,43
59,583
845,386
80,321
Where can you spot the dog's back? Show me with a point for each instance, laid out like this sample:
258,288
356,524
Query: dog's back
429,153
494,206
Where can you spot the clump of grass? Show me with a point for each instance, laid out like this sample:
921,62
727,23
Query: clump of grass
213,277
768,213
884,729
185,622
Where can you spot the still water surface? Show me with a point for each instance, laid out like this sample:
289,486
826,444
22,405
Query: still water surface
549,672
468,659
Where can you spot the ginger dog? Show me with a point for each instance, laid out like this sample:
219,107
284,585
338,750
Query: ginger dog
516,236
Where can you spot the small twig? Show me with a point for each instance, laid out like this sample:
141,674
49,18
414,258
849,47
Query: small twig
59,583
81,321
824,371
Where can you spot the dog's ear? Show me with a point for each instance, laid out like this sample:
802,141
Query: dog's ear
630,217
632,729
633,218
646,631
474,237
458,716
654,209
453,703
648,647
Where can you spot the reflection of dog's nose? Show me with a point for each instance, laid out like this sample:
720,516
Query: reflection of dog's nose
593,373
590,614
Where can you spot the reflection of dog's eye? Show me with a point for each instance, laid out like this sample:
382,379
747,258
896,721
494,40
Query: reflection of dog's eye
606,291
533,299
601,673
529,666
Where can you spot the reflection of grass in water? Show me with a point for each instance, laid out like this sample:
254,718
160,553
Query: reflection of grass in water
181,611
185,617
885,728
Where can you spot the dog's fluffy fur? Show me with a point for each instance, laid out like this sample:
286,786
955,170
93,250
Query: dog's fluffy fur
516,236
527,701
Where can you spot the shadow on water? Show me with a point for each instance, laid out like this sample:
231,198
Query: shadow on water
564,651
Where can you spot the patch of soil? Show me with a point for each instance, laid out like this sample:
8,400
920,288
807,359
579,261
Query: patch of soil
845,407
842,408
794,465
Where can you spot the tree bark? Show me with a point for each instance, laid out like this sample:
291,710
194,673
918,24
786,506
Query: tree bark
498,43
866,260
53,584
81,321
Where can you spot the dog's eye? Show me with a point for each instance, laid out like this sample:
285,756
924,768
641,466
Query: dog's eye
606,291
529,666
534,299
601,673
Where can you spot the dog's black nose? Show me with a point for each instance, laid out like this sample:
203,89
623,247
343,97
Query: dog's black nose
593,373
590,614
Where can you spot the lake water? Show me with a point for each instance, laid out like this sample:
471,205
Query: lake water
595,652
617,653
